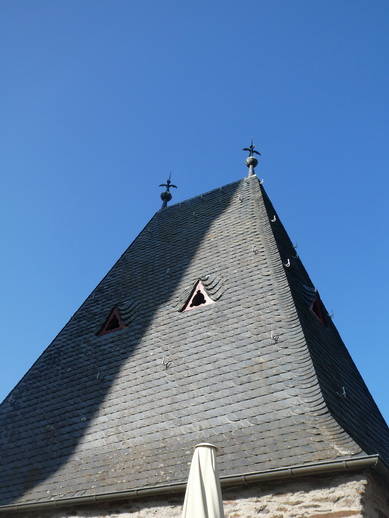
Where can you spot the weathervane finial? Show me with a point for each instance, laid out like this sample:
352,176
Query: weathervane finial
251,149
166,195
251,161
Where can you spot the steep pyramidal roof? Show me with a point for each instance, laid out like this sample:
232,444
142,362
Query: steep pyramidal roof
133,382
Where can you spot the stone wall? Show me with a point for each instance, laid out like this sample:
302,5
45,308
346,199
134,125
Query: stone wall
348,495
376,498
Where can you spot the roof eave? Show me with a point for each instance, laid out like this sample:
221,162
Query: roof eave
373,462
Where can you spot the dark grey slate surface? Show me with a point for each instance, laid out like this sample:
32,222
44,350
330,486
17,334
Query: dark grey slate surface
256,373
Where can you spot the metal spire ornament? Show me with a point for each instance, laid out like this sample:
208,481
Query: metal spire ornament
166,196
251,161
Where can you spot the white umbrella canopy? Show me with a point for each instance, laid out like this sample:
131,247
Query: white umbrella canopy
203,497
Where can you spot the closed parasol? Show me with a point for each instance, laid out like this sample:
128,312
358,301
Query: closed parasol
203,497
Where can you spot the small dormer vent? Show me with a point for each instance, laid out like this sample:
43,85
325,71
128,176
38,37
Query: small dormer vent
314,303
198,297
112,323
317,309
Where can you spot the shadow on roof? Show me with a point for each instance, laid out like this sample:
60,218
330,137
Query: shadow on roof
45,418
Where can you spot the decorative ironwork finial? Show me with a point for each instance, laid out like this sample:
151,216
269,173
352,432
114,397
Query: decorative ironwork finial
251,149
251,161
167,195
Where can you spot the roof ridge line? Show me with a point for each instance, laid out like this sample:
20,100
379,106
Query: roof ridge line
205,194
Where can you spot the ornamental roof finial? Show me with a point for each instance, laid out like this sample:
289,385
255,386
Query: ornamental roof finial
251,161
166,195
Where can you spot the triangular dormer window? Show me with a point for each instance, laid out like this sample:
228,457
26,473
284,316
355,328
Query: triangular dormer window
317,309
113,322
198,297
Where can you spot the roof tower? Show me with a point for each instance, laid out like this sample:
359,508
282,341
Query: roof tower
118,400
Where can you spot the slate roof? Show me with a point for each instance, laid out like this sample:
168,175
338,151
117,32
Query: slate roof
256,373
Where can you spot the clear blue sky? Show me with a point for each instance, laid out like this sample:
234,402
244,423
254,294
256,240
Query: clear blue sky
100,100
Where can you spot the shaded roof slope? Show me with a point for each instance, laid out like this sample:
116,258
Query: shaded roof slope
344,390
249,373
